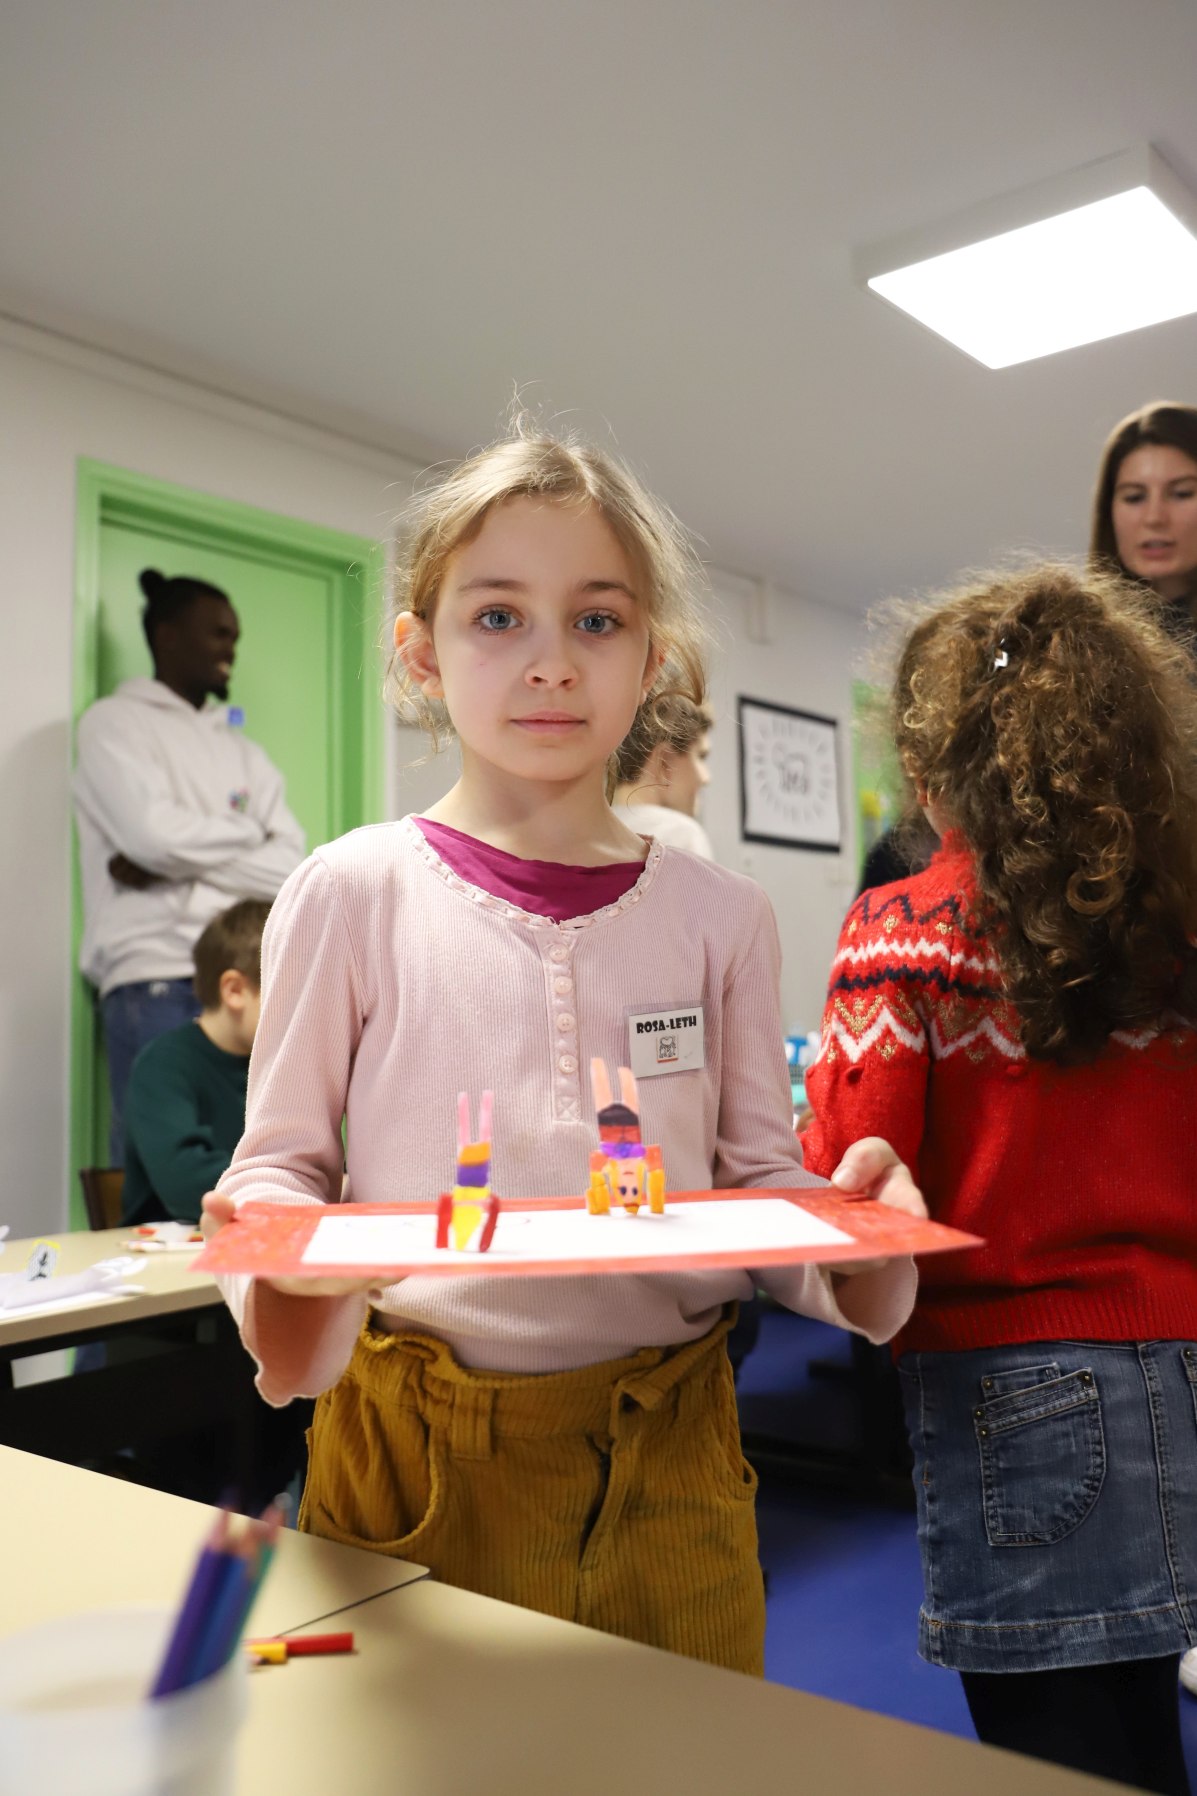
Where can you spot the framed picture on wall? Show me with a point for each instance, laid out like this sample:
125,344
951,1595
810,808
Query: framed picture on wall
789,777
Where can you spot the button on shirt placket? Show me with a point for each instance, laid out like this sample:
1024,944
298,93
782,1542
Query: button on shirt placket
559,963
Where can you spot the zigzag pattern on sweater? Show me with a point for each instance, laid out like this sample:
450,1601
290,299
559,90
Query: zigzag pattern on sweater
859,1029
856,954
890,1022
922,978
927,978
949,914
854,1031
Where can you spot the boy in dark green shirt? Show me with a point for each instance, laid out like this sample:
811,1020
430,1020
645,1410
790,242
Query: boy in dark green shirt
185,1102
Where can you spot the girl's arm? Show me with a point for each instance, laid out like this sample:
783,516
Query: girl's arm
756,1147
314,1001
871,1074
867,1090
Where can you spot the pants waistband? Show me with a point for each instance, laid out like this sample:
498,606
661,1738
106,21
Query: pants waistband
475,1406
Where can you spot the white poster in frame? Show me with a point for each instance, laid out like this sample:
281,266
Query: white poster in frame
789,777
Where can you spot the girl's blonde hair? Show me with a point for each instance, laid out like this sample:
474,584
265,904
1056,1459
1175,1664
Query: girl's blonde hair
532,464
1054,723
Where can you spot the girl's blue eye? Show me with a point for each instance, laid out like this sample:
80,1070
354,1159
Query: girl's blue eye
598,623
495,619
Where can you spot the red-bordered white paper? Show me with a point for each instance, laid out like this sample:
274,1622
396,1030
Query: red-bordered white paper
557,1237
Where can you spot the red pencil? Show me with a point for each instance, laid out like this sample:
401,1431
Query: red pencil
298,1645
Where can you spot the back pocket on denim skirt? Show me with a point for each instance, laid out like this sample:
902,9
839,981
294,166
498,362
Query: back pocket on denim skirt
1043,1460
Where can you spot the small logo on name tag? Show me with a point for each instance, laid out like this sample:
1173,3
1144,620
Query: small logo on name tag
666,1041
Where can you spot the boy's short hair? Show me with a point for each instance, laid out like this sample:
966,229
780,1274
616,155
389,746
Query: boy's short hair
232,942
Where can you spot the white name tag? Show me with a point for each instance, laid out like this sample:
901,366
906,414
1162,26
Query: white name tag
666,1041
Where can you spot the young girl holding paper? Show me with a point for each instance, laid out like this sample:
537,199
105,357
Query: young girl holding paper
1019,1020
570,1444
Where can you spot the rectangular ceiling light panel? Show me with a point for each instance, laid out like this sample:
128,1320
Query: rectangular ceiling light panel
1093,268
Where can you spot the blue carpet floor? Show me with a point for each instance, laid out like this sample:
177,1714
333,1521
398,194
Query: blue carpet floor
844,1579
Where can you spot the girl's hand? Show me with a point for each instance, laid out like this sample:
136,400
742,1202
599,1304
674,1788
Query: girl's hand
215,1211
871,1169
218,1210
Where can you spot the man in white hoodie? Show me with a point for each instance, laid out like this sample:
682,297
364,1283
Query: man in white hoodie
179,814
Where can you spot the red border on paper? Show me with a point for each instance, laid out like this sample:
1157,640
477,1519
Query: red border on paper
268,1240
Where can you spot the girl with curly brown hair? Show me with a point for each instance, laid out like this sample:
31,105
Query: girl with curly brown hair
1019,1021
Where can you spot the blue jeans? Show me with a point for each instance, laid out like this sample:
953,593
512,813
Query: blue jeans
1057,1498
132,1015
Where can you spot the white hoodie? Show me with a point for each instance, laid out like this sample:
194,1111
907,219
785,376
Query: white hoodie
188,797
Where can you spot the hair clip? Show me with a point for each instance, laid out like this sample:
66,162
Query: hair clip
1001,659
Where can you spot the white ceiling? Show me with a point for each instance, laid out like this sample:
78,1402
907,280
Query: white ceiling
381,214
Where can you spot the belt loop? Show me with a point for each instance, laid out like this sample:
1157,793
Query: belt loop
470,1434
695,1394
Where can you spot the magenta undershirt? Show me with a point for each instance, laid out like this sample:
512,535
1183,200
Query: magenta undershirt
545,888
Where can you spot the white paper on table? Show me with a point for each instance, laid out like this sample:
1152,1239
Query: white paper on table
105,1279
746,1226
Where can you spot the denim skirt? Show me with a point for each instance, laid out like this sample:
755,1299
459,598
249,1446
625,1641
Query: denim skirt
1057,1502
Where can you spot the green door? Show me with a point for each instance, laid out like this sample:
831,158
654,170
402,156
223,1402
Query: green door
307,676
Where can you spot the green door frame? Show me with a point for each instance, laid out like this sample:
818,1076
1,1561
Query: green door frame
353,565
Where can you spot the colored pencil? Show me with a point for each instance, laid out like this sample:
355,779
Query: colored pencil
218,1600
222,1626
193,1611
298,1646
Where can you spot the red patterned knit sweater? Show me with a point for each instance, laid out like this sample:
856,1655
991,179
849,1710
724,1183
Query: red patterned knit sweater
1082,1180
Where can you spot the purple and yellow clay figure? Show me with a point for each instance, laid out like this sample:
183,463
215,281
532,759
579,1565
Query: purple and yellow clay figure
622,1170
466,1216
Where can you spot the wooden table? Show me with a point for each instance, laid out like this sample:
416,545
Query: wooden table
168,1288
450,1694
87,1542
200,1377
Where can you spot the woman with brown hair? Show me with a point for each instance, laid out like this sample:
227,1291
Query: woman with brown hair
1145,509
1020,1021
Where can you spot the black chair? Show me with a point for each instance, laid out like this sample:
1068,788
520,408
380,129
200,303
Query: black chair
102,1189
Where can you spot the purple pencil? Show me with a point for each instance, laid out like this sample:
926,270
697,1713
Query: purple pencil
209,1570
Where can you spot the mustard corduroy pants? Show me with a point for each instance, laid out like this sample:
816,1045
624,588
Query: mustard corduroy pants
615,1495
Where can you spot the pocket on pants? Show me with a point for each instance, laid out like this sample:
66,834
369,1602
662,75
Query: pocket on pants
1188,1359
1043,1457
737,1478
372,1482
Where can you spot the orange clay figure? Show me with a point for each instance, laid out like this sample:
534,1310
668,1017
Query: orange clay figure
622,1170
470,1211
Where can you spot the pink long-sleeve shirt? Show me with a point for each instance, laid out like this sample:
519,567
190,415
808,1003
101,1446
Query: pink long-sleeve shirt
389,984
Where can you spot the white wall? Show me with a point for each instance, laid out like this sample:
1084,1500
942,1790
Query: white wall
59,402
803,656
